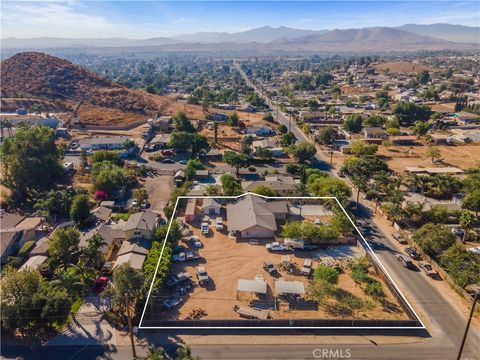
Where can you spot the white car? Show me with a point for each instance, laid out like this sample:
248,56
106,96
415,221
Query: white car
219,223
275,246
134,203
205,228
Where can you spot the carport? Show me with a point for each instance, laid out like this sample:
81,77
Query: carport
283,287
258,287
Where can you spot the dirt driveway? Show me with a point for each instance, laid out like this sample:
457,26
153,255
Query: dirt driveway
159,189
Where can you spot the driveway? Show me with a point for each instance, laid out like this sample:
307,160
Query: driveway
159,189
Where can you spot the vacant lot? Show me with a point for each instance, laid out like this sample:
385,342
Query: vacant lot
461,156
406,67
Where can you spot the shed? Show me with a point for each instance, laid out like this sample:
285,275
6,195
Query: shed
283,287
254,286
211,206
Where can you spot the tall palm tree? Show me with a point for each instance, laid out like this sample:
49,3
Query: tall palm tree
69,281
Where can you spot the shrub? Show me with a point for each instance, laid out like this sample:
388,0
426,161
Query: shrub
26,248
326,273
374,288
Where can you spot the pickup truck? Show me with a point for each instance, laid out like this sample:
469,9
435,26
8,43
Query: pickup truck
205,228
307,267
406,262
275,246
178,278
427,268
202,275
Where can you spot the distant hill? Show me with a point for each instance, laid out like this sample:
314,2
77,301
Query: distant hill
370,39
457,33
264,34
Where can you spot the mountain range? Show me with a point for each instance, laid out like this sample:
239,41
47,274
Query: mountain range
404,38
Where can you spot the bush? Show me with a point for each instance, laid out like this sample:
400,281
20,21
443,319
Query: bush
326,273
26,248
360,271
374,288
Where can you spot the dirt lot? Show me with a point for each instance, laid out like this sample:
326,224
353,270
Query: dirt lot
159,189
406,67
227,260
462,156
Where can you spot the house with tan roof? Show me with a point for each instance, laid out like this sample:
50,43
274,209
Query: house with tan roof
252,216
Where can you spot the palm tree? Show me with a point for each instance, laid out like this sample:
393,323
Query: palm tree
154,353
185,353
69,281
92,250
467,222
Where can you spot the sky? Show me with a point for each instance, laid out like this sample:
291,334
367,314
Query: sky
146,19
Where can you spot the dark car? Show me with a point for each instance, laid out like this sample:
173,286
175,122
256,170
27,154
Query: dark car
168,161
100,284
412,252
406,262
270,268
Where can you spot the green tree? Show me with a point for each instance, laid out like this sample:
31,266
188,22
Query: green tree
154,353
433,153
423,77
30,161
181,123
230,185
353,123
407,112
472,201
107,176
263,153
433,239
287,139
467,222
236,160
361,148
328,186
264,190
140,195
64,247
80,210
421,128
233,119
341,223
374,121
184,141
326,273
245,144
268,117
127,286
94,244
185,353
105,155
282,129
302,151
461,265
382,98
326,135
69,281
54,203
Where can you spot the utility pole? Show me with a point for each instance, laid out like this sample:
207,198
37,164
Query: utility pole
130,330
277,109
475,298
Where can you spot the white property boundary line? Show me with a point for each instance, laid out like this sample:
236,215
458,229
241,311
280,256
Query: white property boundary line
372,253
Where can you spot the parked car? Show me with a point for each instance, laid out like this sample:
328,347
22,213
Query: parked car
177,279
172,302
107,268
270,268
427,268
202,275
457,231
183,162
134,203
179,257
195,240
275,246
167,152
397,236
219,223
192,255
178,249
100,284
406,262
412,252
168,161
144,204
307,267
205,228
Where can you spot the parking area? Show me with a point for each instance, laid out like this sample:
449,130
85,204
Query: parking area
233,264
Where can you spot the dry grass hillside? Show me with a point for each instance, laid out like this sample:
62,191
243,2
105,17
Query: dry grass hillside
59,84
